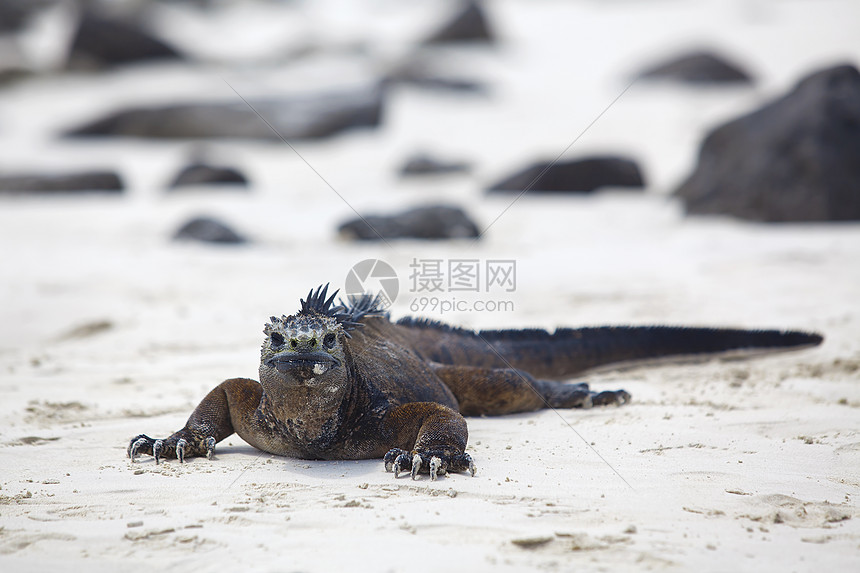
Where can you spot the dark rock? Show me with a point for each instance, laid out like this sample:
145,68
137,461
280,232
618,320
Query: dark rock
425,165
88,329
469,24
98,181
15,65
417,74
208,230
13,75
104,42
16,14
795,159
431,222
582,175
438,83
306,117
203,4
698,68
202,174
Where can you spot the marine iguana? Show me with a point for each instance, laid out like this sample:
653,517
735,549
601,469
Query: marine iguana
341,381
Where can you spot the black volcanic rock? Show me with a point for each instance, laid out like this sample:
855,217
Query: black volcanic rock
301,117
208,230
795,159
469,24
422,164
15,14
435,82
14,74
203,174
427,73
577,176
430,222
93,181
105,42
699,68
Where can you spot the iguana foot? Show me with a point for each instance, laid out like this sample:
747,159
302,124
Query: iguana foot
610,398
432,462
172,447
579,395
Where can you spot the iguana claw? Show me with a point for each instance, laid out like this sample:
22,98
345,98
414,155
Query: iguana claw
436,468
435,463
401,462
135,445
174,446
157,447
611,398
416,466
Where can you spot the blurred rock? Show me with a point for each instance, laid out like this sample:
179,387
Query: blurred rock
698,68
430,222
420,75
14,66
205,4
88,330
578,176
11,76
105,42
208,230
16,14
795,159
440,83
203,174
98,181
469,24
422,164
305,117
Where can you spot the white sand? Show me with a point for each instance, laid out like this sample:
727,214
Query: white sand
741,465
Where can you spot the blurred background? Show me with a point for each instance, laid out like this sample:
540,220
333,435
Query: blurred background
175,172
298,128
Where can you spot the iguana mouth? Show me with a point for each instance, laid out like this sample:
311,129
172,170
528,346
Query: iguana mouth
303,365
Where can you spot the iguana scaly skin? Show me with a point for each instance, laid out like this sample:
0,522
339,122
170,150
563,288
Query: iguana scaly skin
340,382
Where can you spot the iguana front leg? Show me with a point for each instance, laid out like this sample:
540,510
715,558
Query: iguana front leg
435,436
226,409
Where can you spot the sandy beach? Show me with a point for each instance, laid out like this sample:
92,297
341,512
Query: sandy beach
109,329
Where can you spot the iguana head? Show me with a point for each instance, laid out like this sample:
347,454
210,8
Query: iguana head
307,348
302,346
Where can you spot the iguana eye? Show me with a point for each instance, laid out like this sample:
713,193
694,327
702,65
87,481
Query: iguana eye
328,340
277,339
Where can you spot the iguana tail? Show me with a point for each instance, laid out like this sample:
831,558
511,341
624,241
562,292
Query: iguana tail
567,352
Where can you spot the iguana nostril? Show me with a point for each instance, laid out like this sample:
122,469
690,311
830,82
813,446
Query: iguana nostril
293,343
313,342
